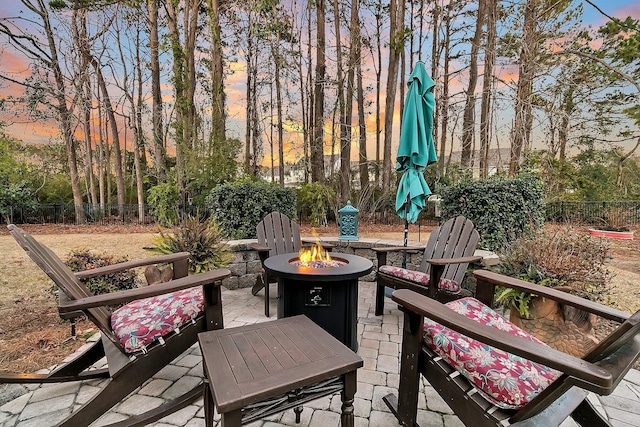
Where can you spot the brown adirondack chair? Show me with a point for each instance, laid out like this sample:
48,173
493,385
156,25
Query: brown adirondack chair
277,234
131,360
426,351
449,251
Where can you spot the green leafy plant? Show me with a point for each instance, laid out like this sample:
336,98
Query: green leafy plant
84,259
502,209
239,206
313,203
163,199
202,239
555,257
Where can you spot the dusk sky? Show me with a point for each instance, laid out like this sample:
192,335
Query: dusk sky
23,128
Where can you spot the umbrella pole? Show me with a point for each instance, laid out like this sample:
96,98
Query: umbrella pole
406,232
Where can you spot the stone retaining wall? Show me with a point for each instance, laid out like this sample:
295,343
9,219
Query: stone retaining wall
245,264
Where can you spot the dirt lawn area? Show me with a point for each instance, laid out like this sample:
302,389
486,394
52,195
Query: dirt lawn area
33,337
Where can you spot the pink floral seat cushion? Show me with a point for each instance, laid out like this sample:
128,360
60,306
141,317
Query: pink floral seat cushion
506,380
142,322
419,277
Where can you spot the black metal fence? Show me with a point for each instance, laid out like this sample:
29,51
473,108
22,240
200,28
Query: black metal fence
612,214
95,214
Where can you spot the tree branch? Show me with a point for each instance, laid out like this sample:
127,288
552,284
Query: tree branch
605,64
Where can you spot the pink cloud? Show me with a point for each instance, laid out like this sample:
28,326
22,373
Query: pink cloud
632,10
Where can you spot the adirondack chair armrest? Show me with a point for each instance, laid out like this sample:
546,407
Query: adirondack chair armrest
312,241
410,249
486,281
259,248
584,374
127,265
382,251
447,261
145,292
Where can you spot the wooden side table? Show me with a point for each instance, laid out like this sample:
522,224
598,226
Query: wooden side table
258,370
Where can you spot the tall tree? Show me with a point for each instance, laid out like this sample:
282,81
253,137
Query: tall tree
526,72
468,123
158,146
618,65
45,56
317,145
218,98
487,84
183,44
396,45
356,59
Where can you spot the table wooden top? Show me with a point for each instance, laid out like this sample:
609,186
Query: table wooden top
247,364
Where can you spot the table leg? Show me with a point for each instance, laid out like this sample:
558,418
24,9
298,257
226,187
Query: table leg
348,393
232,419
209,411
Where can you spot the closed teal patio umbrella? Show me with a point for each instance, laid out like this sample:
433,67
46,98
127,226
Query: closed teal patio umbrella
416,149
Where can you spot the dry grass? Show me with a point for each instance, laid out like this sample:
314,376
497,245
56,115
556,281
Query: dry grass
32,336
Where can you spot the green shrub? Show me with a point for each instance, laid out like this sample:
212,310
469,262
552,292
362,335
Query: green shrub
84,259
313,203
502,209
560,257
239,206
202,239
164,200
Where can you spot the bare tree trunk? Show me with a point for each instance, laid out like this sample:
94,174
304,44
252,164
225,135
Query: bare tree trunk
249,84
311,102
468,122
89,177
444,98
342,99
304,102
363,157
138,155
487,85
567,108
159,155
435,55
522,120
178,54
102,170
355,68
317,147
218,99
278,64
396,31
378,88
79,31
120,189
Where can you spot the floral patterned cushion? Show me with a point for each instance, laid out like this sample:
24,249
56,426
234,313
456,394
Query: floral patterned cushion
421,278
145,321
506,380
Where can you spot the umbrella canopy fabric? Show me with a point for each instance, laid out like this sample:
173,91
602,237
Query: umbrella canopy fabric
416,149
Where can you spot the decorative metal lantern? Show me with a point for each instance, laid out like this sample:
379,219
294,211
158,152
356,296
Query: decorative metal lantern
348,222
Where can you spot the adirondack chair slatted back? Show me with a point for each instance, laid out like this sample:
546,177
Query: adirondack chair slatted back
279,233
456,238
62,276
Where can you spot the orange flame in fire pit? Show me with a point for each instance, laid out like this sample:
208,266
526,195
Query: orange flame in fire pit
316,253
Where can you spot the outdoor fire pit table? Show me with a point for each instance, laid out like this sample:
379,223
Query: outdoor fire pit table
326,294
